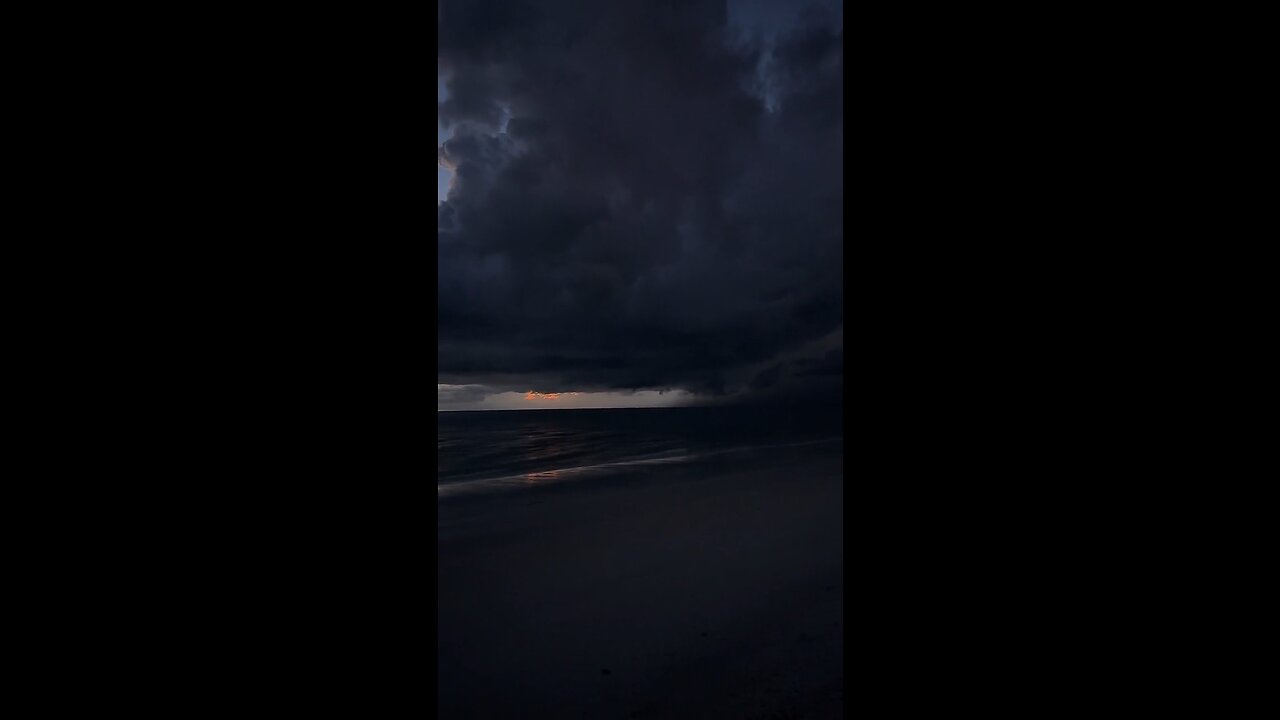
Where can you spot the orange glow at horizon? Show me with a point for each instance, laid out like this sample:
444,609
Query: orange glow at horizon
531,395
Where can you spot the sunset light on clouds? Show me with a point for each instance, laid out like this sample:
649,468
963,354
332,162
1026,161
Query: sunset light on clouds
531,395
477,397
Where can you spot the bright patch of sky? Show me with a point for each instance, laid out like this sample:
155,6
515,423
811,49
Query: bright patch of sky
767,20
455,397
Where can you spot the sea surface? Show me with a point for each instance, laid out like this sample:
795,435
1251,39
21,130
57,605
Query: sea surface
492,451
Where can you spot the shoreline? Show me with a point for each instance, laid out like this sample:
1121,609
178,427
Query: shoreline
706,591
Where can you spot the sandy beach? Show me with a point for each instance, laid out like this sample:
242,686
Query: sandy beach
704,592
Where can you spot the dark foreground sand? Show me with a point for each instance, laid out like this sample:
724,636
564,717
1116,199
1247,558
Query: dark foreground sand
692,593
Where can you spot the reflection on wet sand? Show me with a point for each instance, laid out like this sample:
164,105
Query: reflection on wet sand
544,476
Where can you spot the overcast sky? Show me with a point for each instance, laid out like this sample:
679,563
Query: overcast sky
639,203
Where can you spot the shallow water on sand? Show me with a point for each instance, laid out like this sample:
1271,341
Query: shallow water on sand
709,586
496,449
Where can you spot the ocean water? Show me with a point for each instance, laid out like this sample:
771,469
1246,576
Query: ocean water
495,450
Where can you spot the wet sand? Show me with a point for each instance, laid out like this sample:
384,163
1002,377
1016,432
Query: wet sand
706,592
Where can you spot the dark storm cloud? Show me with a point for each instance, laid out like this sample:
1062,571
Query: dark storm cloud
459,394
646,219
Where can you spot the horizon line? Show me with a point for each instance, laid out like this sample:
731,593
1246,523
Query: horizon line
615,407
